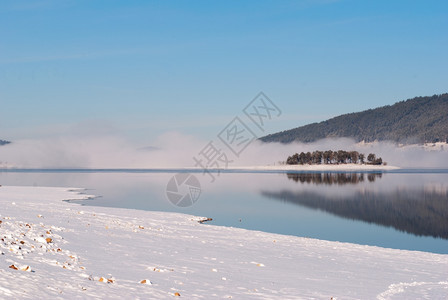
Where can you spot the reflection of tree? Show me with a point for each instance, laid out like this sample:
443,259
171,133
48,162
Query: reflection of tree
418,212
332,178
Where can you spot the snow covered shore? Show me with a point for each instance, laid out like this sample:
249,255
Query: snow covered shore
50,248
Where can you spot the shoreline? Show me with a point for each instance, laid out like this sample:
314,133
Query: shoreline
268,168
108,252
322,167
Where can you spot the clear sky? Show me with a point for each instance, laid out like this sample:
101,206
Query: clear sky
147,67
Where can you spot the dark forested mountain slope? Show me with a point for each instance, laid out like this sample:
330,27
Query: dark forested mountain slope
421,119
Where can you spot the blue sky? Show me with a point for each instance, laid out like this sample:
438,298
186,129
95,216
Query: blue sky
142,68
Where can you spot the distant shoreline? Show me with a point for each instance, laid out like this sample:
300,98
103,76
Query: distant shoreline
270,168
323,167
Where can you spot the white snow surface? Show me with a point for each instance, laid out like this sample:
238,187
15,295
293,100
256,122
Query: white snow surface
67,251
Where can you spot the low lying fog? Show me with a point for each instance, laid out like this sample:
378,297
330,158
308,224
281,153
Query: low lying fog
172,150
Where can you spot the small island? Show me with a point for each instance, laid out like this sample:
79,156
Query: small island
326,161
330,157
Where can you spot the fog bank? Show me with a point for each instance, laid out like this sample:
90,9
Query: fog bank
176,150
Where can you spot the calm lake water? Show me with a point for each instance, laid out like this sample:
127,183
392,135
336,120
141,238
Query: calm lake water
404,209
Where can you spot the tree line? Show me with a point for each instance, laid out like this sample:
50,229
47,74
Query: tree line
333,157
417,120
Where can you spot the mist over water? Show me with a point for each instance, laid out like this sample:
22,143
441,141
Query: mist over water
176,150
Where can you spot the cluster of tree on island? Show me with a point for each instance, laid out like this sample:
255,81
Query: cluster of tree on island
333,157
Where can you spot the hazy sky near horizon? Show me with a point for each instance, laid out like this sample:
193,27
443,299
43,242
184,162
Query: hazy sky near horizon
142,68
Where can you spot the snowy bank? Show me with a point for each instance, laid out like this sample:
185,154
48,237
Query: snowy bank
51,248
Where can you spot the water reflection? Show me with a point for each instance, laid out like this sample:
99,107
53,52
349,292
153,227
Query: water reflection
419,210
347,207
333,178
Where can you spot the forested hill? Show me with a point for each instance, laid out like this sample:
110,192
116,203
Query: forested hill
2,142
421,119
